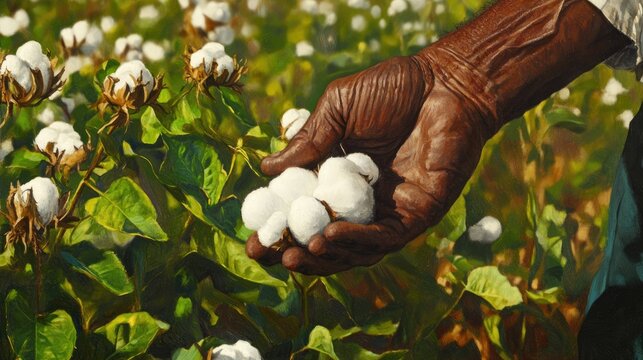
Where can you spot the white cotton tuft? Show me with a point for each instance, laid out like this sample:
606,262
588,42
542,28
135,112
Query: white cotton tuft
223,34
45,194
358,23
93,40
225,63
8,26
31,53
293,183
128,73
258,206
69,144
485,231
241,350
307,217
304,49
6,147
62,127
215,49
81,28
67,36
107,23
335,167
46,136
62,135
273,229
47,116
153,51
18,69
148,12
22,18
202,57
396,7
349,195
366,166
293,120
612,90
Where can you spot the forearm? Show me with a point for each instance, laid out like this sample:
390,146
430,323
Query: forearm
518,52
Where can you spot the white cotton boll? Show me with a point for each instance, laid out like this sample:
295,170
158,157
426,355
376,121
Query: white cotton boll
31,53
334,167
130,71
74,64
349,195
18,69
440,9
626,118
564,94
273,229
294,128
417,5
62,127
359,4
215,49
611,92
8,26
241,350
293,183
80,29
134,55
148,12
67,36
396,7
366,166
258,206
304,49
120,45
382,24
374,45
184,3
289,117
225,63
68,144
198,18
224,34
376,11
45,194
22,18
92,41
485,231
6,147
309,6
46,117
307,217
46,136
358,23
153,51
135,41
217,11
107,23
202,57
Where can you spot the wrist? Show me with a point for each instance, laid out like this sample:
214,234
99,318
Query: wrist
519,52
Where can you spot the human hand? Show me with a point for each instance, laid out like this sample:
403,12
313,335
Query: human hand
425,138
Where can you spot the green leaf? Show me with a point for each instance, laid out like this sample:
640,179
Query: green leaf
107,68
231,254
234,102
25,159
187,354
132,333
488,283
335,289
125,207
492,325
194,166
544,297
320,340
151,127
102,266
564,118
52,336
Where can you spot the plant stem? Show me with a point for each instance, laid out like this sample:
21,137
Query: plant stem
303,291
38,276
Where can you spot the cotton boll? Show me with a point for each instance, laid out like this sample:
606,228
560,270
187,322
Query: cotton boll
153,51
201,57
272,230
62,127
198,18
289,117
47,116
396,7
135,40
31,53
241,350
258,206
130,71
376,11
68,144
294,128
217,11
215,49
18,69
366,166
46,136
80,29
45,194
304,49
309,6
223,34
92,41
485,231
307,217
8,26
358,23
120,45
225,63
107,23
67,36
6,147
148,12
626,118
22,18
293,183
336,167
350,196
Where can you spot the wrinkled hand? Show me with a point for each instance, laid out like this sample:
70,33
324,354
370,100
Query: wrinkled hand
425,138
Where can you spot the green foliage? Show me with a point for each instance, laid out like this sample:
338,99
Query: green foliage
155,266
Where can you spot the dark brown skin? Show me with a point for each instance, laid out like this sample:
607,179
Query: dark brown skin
424,119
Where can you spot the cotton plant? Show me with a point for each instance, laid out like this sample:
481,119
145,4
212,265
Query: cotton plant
62,146
10,25
82,38
131,87
241,350
299,203
27,78
211,66
485,231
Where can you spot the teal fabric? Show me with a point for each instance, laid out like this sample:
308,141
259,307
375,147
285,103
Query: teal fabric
623,257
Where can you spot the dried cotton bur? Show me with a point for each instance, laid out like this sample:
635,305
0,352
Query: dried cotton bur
210,66
299,203
62,146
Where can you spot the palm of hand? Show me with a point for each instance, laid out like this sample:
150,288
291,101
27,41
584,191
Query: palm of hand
420,136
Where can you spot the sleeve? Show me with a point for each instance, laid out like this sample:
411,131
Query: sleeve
626,16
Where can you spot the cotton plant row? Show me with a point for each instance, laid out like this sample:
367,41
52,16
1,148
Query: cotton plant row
300,203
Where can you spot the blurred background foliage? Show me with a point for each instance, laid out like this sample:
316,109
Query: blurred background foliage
546,177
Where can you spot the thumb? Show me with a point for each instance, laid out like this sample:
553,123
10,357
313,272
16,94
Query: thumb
314,142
